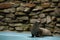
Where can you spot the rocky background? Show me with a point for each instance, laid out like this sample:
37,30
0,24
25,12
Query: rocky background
20,15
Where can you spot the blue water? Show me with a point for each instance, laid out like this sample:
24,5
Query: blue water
24,36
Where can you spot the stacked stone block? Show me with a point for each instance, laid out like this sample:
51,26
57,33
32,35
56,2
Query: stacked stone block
19,15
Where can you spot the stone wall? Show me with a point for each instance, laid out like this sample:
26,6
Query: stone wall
18,15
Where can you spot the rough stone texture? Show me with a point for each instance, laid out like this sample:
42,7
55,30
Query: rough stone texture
58,19
33,13
45,4
53,14
33,20
23,18
58,25
2,0
16,14
34,17
2,28
5,5
52,5
43,20
48,19
55,0
10,10
57,11
3,23
19,28
10,15
29,5
15,24
42,15
7,19
11,28
15,3
57,30
21,8
38,8
48,10
58,4
27,9
1,17
20,13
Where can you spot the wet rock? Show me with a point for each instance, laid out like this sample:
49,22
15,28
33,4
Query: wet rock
15,3
23,18
11,28
51,25
2,0
25,1
53,17
10,15
3,23
13,13
48,10
53,14
24,27
36,16
1,17
15,24
58,25
26,9
44,0
10,10
19,20
43,20
55,0
2,28
37,2
37,8
1,11
33,13
45,5
58,19
58,4
20,13
57,30
5,5
30,5
33,20
22,4
52,5
27,27
57,11
42,15
7,20
48,19
19,29
6,11
10,20
21,8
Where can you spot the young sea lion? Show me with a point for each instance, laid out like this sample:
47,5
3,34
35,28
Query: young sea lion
39,31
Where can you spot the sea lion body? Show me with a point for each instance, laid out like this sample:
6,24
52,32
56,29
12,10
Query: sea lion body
39,31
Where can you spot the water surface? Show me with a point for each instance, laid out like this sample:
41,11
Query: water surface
24,36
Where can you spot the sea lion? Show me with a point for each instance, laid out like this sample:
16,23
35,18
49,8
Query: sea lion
38,31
